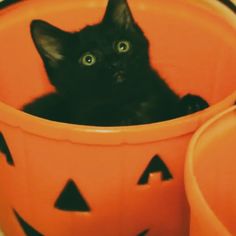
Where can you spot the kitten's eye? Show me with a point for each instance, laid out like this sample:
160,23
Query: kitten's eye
88,59
123,46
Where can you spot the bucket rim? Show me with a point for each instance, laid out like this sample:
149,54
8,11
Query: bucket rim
94,135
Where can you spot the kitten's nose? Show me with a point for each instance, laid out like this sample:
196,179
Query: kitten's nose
115,64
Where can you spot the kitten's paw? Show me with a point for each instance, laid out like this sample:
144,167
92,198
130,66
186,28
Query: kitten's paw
191,103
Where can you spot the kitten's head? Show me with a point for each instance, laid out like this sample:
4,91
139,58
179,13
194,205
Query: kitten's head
100,61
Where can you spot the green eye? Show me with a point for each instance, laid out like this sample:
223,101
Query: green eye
88,59
123,46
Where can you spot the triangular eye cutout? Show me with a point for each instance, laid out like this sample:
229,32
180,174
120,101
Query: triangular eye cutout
28,229
5,150
71,199
155,165
144,233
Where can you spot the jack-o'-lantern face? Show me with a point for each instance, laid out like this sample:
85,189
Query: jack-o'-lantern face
72,199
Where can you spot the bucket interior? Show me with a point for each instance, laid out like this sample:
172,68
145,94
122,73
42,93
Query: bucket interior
192,47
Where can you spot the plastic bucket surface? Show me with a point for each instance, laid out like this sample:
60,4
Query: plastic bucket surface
128,179
211,177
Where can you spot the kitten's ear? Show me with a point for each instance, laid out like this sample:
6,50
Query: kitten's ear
118,13
48,40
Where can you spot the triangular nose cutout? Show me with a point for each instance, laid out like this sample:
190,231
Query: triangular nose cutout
144,233
28,230
156,165
71,199
5,150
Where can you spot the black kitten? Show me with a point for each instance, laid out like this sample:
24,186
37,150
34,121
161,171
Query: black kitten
103,76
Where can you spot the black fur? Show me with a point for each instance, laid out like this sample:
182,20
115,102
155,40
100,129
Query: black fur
119,89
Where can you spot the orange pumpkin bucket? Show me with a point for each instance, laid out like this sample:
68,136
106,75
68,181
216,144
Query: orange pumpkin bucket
211,177
62,179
